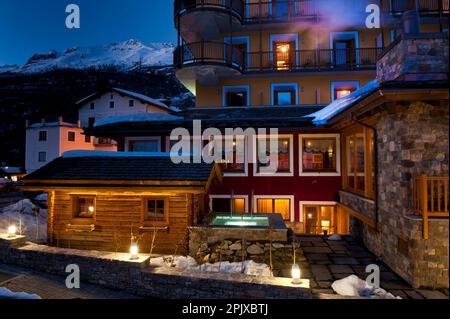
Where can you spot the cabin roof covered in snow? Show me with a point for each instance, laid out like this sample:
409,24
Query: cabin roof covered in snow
52,124
141,97
124,167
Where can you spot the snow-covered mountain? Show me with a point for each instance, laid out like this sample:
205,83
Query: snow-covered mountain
125,56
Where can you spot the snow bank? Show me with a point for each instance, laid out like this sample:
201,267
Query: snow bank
23,215
42,197
6,293
142,117
339,105
353,286
248,267
4,181
335,237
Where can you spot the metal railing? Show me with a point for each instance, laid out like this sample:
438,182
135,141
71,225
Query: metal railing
224,54
208,52
315,60
430,198
235,7
423,6
285,10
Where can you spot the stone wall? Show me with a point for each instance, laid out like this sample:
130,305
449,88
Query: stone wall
213,235
415,57
117,271
412,141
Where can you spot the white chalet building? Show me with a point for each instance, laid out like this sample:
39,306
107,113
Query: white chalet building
47,141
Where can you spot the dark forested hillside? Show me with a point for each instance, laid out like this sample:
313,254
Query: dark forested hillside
52,94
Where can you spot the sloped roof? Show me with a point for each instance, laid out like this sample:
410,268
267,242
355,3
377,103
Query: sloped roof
226,117
120,168
141,97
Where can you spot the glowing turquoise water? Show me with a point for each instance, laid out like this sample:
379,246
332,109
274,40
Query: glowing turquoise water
241,221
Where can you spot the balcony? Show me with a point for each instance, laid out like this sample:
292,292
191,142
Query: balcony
315,60
424,7
207,19
229,56
430,197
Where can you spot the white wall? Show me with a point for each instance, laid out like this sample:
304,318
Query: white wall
102,110
33,146
57,143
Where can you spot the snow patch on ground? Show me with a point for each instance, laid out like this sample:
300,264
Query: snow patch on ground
352,286
248,267
335,237
23,215
6,293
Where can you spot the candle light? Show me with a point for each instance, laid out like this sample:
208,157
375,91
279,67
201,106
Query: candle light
296,274
134,251
12,230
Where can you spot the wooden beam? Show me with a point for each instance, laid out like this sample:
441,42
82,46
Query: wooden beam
366,220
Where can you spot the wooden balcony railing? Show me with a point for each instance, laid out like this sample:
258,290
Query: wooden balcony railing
422,6
430,196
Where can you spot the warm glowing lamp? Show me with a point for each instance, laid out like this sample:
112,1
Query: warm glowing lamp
296,274
12,230
309,143
134,251
310,216
91,209
330,151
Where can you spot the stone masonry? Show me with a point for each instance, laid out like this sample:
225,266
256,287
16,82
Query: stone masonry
117,271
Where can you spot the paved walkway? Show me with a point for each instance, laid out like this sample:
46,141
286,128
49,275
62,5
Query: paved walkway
333,260
52,287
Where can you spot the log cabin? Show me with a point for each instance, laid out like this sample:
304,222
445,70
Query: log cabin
103,202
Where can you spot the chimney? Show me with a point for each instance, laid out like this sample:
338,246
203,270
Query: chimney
27,123
60,120
411,22
79,124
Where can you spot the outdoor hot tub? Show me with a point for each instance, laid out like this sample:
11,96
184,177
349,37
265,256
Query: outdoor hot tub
259,227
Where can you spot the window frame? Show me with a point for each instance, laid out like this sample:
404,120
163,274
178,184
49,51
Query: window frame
291,157
70,134
45,134
236,173
337,136
142,138
235,88
284,37
112,104
333,85
275,197
274,89
155,222
319,204
131,103
369,188
244,197
75,198
45,157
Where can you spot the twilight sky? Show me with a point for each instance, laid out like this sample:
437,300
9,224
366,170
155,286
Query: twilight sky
31,26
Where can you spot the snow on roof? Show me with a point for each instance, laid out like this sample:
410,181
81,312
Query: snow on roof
142,97
76,154
323,116
142,117
12,170
52,124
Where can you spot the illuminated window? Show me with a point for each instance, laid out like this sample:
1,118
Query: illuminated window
274,206
83,206
359,161
284,56
234,160
319,219
283,154
342,89
223,205
319,154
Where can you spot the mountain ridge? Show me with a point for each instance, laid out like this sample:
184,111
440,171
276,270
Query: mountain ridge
125,56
